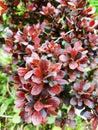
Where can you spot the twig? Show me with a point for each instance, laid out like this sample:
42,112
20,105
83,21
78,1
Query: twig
57,39
5,116
64,34
7,86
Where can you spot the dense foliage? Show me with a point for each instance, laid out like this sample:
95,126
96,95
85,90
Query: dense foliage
54,50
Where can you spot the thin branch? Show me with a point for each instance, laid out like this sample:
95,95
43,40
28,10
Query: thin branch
5,116
7,86
65,35
57,39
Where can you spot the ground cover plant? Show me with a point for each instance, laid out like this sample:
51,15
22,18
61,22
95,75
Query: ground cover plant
54,49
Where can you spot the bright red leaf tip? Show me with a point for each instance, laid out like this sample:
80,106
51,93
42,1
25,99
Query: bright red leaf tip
92,23
36,118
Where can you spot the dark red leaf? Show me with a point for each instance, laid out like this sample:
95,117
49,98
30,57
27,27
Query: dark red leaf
54,101
16,79
16,2
36,89
38,106
84,60
44,64
36,118
9,44
52,111
20,94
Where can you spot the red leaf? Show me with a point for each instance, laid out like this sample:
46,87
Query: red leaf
44,64
71,113
52,111
56,89
54,101
73,65
36,80
22,71
73,53
61,81
29,49
16,79
92,23
89,103
28,74
78,45
73,101
56,67
63,58
37,72
36,42
3,7
94,124
36,118
88,115
20,94
9,44
84,60
19,103
16,2
81,69
36,89
38,106
97,92
92,87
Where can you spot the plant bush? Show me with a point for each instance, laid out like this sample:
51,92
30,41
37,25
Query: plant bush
55,55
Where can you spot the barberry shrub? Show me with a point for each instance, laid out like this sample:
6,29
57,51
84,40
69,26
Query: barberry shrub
54,47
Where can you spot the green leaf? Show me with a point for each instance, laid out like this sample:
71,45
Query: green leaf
3,108
16,119
56,128
5,105
51,120
29,127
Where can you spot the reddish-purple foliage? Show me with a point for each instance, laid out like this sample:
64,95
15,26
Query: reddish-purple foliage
55,50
